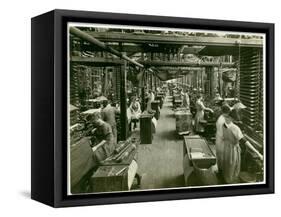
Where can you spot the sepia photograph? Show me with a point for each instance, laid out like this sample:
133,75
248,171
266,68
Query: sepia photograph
153,108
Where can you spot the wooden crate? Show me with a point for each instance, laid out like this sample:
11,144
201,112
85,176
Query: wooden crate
183,121
177,103
111,178
106,179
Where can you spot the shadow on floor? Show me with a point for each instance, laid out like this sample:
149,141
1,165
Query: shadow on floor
25,194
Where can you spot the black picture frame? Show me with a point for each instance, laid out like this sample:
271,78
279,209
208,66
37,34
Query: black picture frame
49,103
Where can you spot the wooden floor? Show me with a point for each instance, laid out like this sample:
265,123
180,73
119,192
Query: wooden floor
161,163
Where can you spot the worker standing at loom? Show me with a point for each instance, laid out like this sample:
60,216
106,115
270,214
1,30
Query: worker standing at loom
199,117
108,114
102,131
135,109
232,137
185,99
150,99
219,136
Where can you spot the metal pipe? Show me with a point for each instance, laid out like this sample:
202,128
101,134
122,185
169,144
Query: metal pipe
77,32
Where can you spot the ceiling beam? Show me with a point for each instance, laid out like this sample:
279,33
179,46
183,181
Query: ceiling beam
149,63
183,68
137,48
97,61
174,39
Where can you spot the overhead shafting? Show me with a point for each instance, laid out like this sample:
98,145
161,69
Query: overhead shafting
77,32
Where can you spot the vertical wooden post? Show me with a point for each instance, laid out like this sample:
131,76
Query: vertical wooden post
142,99
211,72
116,78
155,83
208,73
237,84
143,84
215,80
220,82
123,101
151,81
140,84
196,79
202,79
105,82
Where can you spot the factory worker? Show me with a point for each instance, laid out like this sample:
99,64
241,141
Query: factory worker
102,131
185,99
237,108
108,114
219,136
199,117
135,109
150,98
217,98
217,103
232,135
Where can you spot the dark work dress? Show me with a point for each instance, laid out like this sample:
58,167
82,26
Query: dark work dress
104,132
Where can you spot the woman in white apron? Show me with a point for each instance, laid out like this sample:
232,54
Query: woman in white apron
199,117
219,135
232,135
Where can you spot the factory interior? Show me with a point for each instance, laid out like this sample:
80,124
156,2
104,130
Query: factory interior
144,106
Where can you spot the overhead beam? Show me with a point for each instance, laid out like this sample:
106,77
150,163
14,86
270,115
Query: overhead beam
97,61
174,39
124,48
137,48
164,75
149,63
183,68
